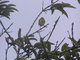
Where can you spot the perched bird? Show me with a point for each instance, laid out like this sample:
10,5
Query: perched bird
41,21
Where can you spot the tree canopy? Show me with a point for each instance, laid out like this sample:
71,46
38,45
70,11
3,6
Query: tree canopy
42,48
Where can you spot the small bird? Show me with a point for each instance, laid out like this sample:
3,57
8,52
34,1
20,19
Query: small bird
41,21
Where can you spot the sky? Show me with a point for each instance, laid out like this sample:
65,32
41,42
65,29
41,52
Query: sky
28,11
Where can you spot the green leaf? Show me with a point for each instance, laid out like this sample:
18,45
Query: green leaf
67,55
12,8
3,5
38,45
64,47
4,2
2,8
18,42
60,7
32,39
54,54
73,40
7,40
33,59
63,12
11,5
31,35
48,45
23,58
5,15
63,5
5,10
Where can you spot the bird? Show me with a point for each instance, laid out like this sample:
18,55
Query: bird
41,22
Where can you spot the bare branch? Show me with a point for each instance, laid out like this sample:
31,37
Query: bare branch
42,5
6,29
53,27
34,23
59,44
56,1
7,52
39,15
39,29
72,30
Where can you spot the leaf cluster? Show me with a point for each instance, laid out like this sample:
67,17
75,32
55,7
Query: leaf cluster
60,7
6,9
42,49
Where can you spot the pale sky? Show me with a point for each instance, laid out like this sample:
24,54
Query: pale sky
28,10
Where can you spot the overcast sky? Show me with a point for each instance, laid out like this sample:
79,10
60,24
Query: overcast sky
28,11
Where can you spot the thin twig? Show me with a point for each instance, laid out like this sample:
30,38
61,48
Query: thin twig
39,29
34,23
46,35
51,1
72,33
8,35
56,45
6,29
53,27
59,44
18,53
7,52
42,5
72,30
56,1
68,34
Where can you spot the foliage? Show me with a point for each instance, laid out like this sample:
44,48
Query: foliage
60,7
42,48
5,9
78,1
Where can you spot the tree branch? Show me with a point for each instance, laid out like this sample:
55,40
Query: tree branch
7,52
39,29
53,27
6,29
39,15
56,48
